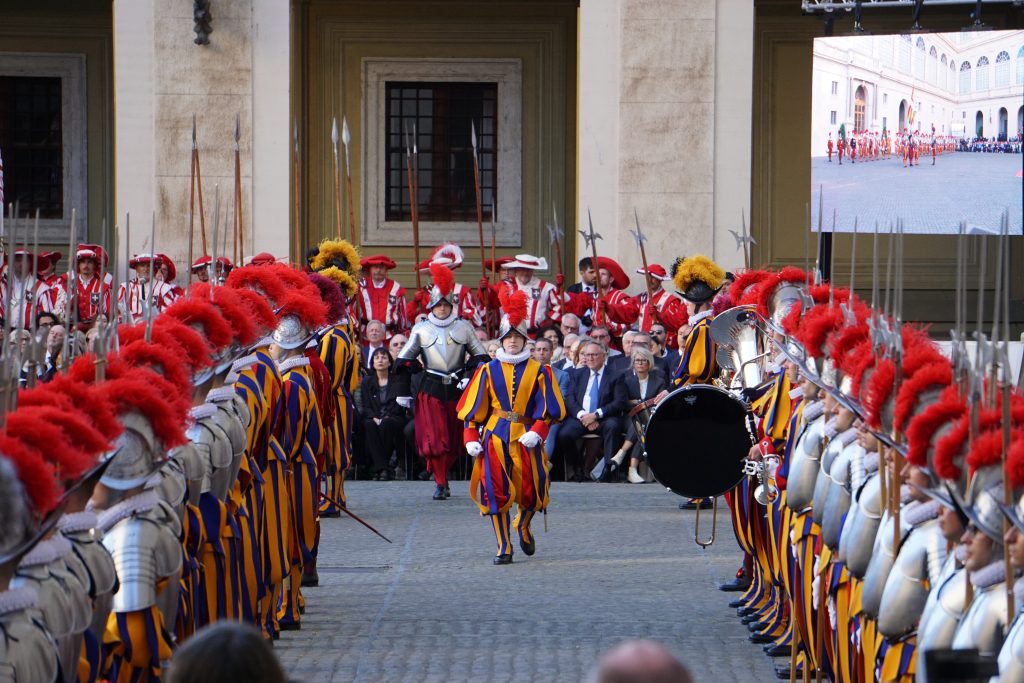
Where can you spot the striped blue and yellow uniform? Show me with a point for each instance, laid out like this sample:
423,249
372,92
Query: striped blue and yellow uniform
506,400
302,440
341,356
697,364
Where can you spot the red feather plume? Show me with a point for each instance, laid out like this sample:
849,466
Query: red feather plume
861,363
171,333
444,280
160,360
292,279
260,279
311,310
63,439
259,310
744,281
923,426
231,309
137,394
64,391
817,325
1014,461
331,294
936,374
37,476
515,305
193,311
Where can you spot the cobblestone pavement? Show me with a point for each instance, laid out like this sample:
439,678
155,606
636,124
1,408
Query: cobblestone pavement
962,186
618,561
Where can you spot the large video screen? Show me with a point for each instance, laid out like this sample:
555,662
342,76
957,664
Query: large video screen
924,127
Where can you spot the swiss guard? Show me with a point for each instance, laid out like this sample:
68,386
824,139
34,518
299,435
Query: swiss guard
439,346
514,400
380,297
544,305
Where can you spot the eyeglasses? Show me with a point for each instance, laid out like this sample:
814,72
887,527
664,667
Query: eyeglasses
592,355
600,336
640,360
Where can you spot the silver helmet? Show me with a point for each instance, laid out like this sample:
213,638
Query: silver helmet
136,456
291,333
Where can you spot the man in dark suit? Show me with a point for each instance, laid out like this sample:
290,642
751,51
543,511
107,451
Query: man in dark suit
591,408
668,355
588,278
375,332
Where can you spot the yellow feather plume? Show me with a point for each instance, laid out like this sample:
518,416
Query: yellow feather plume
698,268
342,279
337,253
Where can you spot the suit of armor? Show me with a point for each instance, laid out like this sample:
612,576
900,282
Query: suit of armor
142,538
985,621
440,348
1011,655
943,611
805,460
28,652
840,491
918,565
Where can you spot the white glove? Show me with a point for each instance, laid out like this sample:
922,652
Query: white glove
530,439
815,584
830,605
463,383
474,448
404,401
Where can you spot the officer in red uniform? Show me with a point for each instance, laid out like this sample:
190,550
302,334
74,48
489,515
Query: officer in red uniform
830,148
381,298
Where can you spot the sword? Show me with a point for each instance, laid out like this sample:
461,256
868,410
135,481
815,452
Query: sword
352,515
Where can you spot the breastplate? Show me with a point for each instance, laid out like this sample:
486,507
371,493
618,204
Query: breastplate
837,500
906,590
821,486
942,614
861,530
803,467
1011,655
882,560
982,625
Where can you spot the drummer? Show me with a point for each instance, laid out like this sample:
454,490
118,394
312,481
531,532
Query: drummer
640,391
697,279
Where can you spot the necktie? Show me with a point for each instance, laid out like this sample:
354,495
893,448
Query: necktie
595,388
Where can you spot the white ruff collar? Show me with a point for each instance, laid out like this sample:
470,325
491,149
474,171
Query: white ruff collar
244,362
203,411
45,552
147,500
922,512
17,599
442,323
697,317
506,357
74,522
221,394
990,575
293,362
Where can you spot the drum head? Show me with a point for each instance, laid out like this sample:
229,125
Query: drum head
697,440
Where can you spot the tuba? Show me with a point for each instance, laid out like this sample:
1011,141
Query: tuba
740,344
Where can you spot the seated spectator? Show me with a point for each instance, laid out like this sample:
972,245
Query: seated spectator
555,336
642,340
566,362
375,333
542,354
642,385
396,344
225,652
492,348
603,337
382,419
570,324
481,333
592,408
640,661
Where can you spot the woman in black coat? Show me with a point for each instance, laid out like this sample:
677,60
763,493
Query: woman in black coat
382,418
643,384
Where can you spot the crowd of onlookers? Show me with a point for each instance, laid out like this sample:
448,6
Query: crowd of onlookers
383,442
1010,146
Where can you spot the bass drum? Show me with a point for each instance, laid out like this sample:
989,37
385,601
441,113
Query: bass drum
697,440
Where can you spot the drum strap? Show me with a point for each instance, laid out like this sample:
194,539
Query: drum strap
643,405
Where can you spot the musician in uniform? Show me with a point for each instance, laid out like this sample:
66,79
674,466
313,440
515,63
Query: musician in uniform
381,298
439,346
507,407
697,279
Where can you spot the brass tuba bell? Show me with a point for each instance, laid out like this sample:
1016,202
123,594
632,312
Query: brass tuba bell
739,344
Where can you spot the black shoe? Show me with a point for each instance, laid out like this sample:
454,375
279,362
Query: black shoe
761,639
734,586
503,559
750,618
778,650
290,626
693,505
447,491
744,611
439,492
782,671
529,547
310,579
757,626
330,513
737,603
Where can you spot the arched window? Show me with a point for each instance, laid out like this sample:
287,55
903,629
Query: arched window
905,54
1003,69
965,78
919,59
933,62
1020,66
981,77
943,72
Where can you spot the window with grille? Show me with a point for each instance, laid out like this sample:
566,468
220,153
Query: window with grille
441,116
835,87
32,143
